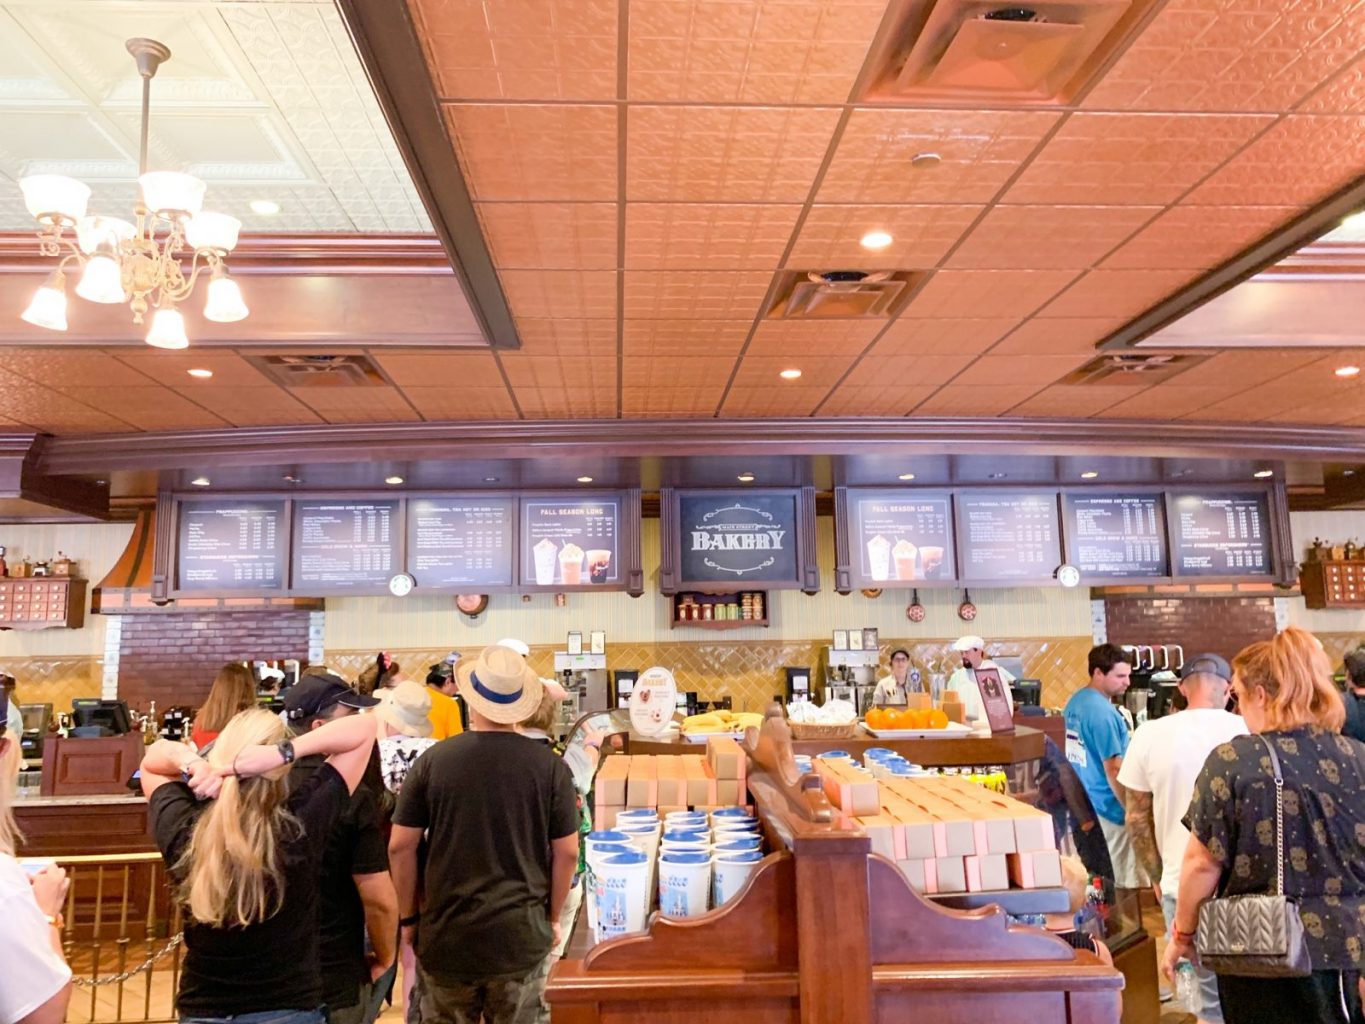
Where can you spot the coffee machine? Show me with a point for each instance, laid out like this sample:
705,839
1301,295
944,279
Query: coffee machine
851,676
584,676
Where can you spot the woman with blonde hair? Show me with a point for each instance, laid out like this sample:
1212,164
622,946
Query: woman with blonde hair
1285,692
35,984
233,690
246,854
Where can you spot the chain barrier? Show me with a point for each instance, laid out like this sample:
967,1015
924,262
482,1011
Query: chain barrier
146,965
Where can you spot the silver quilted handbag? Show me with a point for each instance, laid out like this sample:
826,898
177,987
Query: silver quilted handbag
1256,936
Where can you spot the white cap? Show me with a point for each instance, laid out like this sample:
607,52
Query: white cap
515,645
969,643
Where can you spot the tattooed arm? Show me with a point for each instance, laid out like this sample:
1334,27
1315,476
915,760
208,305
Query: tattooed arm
1142,831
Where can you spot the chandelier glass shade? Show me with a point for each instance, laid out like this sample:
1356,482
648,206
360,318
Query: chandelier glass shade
152,263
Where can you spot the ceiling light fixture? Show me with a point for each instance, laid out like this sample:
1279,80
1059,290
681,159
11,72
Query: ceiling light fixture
201,481
876,240
1348,472
745,478
585,479
200,372
264,207
1347,371
906,476
122,262
490,479
923,161
393,481
996,476
1354,222
1261,474
1089,474
792,374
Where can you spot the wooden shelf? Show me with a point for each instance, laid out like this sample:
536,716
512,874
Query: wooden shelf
1335,584
715,601
42,602
717,623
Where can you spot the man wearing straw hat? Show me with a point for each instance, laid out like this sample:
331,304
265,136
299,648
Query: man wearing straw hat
499,812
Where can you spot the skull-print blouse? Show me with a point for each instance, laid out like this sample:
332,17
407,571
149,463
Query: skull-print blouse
1232,813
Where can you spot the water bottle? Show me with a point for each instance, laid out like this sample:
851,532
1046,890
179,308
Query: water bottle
1186,987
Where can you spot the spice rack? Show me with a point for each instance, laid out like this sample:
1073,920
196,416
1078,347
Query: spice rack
51,602
1338,583
720,611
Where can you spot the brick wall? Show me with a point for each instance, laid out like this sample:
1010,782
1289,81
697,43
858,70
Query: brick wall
1223,625
172,658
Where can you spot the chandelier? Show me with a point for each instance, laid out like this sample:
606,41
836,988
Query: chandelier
127,263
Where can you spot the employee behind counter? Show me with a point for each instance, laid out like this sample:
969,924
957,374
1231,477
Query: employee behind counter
891,689
963,681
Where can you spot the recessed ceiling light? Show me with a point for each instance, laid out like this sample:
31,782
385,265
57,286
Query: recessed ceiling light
291,478
996,476
585,479
1348,472
394,480
1261,474
265,207
791,374
876,240
200,372
490,479
906,476
201,481
1089,474
746,478
1347,371
101,483
923,161
1354,221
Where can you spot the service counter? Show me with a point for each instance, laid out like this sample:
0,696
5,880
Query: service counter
78,826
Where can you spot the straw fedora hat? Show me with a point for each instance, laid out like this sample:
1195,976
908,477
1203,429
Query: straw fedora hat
499,685
405,708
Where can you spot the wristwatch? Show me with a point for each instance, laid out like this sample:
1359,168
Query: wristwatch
286,749
56,921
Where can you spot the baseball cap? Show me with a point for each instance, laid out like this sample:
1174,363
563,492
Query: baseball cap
515,645
1213,664
969,643
319,691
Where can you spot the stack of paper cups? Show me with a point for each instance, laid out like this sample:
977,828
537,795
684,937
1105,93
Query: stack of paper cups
599,846
684,883
622,894
730,870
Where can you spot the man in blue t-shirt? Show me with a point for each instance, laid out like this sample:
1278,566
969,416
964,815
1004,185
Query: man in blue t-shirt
1096,740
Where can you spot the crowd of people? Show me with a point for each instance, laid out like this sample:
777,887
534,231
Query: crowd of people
442,830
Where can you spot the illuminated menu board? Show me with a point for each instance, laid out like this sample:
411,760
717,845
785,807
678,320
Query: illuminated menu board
342,544
901,536
571,542
1117,535
461,541
230,545
1225,534
1004,536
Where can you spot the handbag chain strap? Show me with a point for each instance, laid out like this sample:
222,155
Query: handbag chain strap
1279,817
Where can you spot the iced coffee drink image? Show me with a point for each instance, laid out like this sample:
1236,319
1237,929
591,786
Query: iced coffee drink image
571,565
546,555
879,555
931,559
904,554
599,565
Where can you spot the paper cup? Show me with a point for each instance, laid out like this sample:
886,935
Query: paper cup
729,874
738,844
643,837
599,846
701,846
622,894
684,884
631,814
686,835
685,818
735,825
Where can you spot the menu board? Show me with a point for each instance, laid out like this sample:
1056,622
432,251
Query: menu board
1221,534
340,544
1116,535
1008,535
230,545
901,536
571,542
738,538
463,541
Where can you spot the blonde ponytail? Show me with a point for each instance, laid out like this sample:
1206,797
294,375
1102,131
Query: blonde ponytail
232,866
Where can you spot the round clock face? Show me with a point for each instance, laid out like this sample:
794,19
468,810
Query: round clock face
966,611
401,585
915,613
1068,575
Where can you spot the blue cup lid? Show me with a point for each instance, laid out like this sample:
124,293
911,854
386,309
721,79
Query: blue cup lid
626,857
744,842
740,856
684,837
836,753
729,812
684,857
608,836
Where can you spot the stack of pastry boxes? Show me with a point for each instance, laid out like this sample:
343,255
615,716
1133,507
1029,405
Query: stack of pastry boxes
947,834
671,783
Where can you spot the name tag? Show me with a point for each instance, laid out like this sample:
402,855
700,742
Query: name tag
1075,750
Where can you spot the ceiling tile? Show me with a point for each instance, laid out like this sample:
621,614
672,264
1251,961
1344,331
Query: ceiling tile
1117,293
1244,369
1197,237
63,369
51,412
684,338
1057,336
1300,160
437,368
963,400
1001,371
725,154
699,236
677,371
814,338
1217,55
880,367
907,337
981,293
250,406
172,368
565,153
1344,94
1316,413
922,235
979,151
1048,237
550,236
357,405
749,51
520,49
1131,159
874,400
559,401
1073,401
670,403
596,338
694,295
468,402
756,371
1163,402
567,373
769,401
560,293
149,407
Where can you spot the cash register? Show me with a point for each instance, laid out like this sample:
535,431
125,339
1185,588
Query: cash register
37,718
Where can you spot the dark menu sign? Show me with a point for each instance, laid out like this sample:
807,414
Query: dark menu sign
1116,535
230,545
570,542
901,536
341,544
738,538
1221,534
1008,535
463,541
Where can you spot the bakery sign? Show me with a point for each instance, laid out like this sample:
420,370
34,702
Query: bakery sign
738,538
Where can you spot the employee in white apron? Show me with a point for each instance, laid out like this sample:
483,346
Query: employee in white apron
891,689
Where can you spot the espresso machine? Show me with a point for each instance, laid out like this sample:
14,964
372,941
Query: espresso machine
851,676
584,676
1153,688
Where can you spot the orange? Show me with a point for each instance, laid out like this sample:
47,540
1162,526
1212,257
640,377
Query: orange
936,719
895,719
876,718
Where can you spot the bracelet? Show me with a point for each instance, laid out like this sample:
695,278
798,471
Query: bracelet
1180,936
286,749
56,920
410,920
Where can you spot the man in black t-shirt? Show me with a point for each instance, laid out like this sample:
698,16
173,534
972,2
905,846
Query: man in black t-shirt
356,893
501,819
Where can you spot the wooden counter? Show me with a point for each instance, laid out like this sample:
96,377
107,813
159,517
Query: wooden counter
76,826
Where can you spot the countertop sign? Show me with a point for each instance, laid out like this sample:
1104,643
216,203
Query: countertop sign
230,545
738,538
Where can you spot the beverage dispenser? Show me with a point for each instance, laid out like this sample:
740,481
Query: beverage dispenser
851,676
